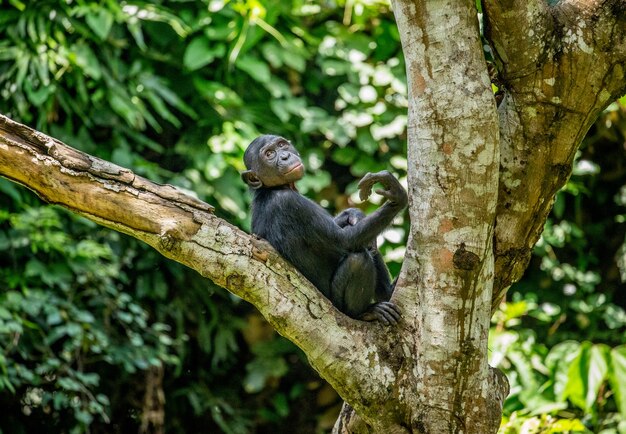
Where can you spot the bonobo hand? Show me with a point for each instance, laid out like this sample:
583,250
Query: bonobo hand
384,311
393,191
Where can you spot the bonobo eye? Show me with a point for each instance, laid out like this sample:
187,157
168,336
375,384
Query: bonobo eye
282,144
269,153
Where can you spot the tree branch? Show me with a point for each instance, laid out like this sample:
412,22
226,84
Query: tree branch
520,30
551,98
184,229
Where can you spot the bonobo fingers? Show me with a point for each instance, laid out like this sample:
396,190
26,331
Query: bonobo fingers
365,186
385,312
366,183
393,191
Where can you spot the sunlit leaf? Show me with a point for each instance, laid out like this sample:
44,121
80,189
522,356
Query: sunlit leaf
598,369
617,377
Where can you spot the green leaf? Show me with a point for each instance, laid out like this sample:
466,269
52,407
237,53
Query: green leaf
260,370
219,32
576,387
335,67
217,93
345,156
159,86
100,22
617,377
365,141
255,68
18,4
280,109
586,375
87,61
69,384
558,362
10,190
273,54
599,358
200,52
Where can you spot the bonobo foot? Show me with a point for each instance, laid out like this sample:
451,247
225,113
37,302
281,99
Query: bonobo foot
384,311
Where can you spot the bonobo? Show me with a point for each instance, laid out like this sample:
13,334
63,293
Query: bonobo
339,255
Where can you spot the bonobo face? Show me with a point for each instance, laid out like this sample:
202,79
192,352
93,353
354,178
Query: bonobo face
272,161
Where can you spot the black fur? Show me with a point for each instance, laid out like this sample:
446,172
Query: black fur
338,255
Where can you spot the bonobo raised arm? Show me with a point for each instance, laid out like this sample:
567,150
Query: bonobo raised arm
338,256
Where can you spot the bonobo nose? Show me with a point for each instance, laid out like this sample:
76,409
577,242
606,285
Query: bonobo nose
284,156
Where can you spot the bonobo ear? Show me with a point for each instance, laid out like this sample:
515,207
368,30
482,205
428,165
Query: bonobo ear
250,178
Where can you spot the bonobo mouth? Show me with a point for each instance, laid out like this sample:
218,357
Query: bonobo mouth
296,167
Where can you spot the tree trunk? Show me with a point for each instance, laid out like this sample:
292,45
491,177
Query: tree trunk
481,182
448,272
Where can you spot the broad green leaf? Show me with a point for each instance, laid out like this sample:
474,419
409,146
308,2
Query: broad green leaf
200,52
100,22
254,67
316,182
617,377
577,380
334,67
260,370
219,32
18,4
8,53
273,54
87,61
365,164
151,12
279,108
365,141
527,374
558,362
135,30
217,93
38,96
345,156
159,86
159,106
294,59
598,369
568,426
69,384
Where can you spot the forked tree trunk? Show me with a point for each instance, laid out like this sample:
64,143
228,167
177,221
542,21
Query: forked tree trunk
481,182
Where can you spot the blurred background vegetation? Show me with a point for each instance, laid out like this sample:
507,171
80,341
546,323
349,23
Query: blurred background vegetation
98,333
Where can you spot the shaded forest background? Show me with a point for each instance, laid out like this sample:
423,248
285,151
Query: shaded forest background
98,333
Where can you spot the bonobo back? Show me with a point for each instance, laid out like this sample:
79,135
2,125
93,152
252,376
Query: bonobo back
294,226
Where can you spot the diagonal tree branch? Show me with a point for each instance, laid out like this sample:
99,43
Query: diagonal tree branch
184,229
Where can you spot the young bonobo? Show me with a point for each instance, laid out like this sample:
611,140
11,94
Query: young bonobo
339,256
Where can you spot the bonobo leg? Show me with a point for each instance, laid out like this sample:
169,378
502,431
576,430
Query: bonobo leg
353,288
384,286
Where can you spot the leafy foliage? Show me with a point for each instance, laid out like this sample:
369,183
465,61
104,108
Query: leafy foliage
176,90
